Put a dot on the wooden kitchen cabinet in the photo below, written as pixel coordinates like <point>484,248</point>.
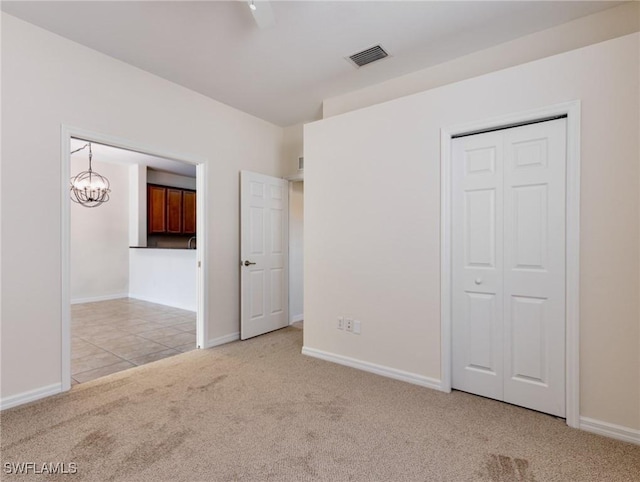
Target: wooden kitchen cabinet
<point>174,211</point>
<point>156,209</point>
<point>189,212</point>
<point>170,210</point>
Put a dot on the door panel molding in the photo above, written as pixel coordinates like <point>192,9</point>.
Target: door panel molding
<point>572,262</point>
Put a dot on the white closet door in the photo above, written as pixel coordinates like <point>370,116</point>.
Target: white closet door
<point>508,273</point>
<point>534,266</point>
<point>477,265</point>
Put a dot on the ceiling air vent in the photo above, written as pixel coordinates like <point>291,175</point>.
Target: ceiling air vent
<point>367,56</point>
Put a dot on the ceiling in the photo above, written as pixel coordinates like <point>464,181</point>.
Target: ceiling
<point>282,73</point>
<point>104,153</point>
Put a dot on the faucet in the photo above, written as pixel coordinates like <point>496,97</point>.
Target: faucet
<point>192,238</point>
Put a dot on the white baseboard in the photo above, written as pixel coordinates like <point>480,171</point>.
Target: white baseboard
<point>297,318</point>
<point>92,299</point>
<point>607,429</point>
<point>373,368</point>
<point>163,301</point>
<point>30,396</point>
<point>221,340</point>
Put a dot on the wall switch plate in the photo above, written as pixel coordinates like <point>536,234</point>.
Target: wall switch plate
<point>356,327</point>
<point>348,324</point>
<point>340,323</point>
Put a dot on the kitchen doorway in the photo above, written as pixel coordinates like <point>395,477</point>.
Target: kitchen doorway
<point>109,327</point>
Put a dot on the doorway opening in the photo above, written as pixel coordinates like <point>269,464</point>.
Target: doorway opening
<point>132,289</point>
<point>296,252</point>
<point>271,252</point>
<point>264,254</point>
<point>571,224</point>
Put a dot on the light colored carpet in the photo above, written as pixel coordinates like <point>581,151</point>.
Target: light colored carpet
<point>260,411</point>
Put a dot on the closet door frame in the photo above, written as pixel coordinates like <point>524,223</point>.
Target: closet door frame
<point>572,111</point>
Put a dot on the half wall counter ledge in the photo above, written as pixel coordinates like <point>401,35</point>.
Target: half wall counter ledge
<point>167,276</point>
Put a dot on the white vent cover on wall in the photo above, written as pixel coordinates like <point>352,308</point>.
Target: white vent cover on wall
<point>367,56</point>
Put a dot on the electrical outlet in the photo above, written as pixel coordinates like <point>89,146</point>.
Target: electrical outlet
<point>356,327</point>
<point>340,323</point>
<point>348,324</point>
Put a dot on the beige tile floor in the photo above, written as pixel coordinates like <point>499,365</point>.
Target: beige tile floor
<point>110,336</point>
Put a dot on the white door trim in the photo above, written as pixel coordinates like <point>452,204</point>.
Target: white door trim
<point>572,364</point>
<point>67,132</point>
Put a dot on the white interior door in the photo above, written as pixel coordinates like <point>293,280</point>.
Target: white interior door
<point>508,273</point>
<point>477,265</point>
<point>264,252</point>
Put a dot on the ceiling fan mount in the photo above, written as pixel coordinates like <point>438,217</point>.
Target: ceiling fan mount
<point>262,13</point>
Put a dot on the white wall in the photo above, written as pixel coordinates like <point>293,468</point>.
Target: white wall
<point>169,179</point>
<point>604,25</point>
<point>296,251</point>
<point>372,219</point>
<point>137,205</point>
<point>100,237</point>
<point>292,147</point>
<point>47,81</point>
<point>164,276</point>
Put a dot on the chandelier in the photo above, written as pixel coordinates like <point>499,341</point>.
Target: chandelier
<point>89,188</point>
